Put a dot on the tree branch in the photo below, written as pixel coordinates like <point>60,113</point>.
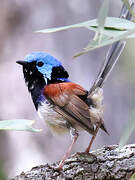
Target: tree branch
<point>109,163</point>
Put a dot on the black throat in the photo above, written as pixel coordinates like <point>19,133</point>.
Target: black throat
<point>35,82</point>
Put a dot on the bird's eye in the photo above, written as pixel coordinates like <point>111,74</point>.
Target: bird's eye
<point>40,64</point>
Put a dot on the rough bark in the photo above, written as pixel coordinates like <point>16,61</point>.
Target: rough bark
<point>108,163</point>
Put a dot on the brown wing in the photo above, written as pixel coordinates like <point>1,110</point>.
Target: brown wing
<point>67,103</point>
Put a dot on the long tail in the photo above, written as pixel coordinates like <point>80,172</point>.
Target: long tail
<point>113,54</point>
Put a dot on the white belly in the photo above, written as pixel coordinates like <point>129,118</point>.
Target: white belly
<point>55,121</point>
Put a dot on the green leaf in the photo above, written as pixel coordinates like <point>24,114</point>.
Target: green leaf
<point>105,41</point>
<point>18,125</point>
<point>102,15</point>
<point>107,29</point>
<point>112,24</point>
<point>113,32</point>
<point>101,21</point>
<point>132,177</point>
<point>115,29</point>
<point>128,130</point>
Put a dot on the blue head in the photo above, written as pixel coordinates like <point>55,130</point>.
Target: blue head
<point>40,69</point>
<point>44,65</point>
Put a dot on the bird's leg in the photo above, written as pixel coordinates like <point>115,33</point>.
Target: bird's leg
<point>92,139</point>
<point>75,135</point>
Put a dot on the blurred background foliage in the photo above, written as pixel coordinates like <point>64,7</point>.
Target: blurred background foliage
<point>19,151</point>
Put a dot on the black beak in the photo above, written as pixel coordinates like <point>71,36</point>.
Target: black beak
<point>23,63</point>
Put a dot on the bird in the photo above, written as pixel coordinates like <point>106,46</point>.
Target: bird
<point>64,105</point>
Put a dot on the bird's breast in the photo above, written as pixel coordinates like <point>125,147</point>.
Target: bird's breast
<point>56,122</point>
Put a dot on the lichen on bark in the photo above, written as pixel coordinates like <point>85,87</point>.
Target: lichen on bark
<point>109,163</point>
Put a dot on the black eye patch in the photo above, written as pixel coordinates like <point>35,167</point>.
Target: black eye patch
<point>59,72</point>
<point>40,64</point>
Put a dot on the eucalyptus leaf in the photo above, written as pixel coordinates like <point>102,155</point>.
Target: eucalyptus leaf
<point>18,125</point>
<point>112,32</point>
<point>101,21</point>
<point>102,14</point>
<point>105,41</point>
<point>56,29</point>
<point>115,28</point>
<point>112,24</point>
<point>107,29</point>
